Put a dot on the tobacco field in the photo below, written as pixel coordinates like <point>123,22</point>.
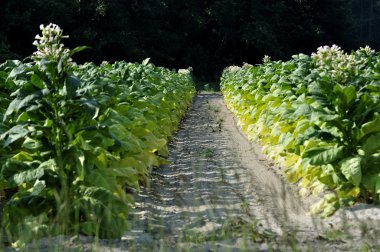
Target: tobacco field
<point>132,153</point>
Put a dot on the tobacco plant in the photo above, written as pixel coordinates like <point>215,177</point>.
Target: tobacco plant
<point>77,140</point>
<point>318,116</point>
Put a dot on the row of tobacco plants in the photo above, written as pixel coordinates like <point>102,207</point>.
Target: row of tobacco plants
<point>318,117</point>
<point>76,140</point>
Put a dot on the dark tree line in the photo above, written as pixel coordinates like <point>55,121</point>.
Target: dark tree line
<point>208,35</point>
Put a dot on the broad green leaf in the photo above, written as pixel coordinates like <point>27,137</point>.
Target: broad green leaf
<point>370,127</point>
<point>291,160</point>
<point>129,169</point>
<point>302,110</point>
<point>38,187</point>
<point>25,204</point>
<point>27,176</point>
<point>71,86</point>
<point>23,156</point>
<point>104,211</point>
<point>91,108</point>
<point>145,61</point>
<point>148,158</point>
<point>345,97</point>
<point>15,133</point>
<point>12,167</point>
<point>352,170</point>
<point>89,228</point>
<point>78,49</point>
<point>36,81</point>
<point>350,95</point>
<point>23,117</point>
<point>323,116</point>
<point>346,190</point>
<point>49,165</point>
<point>323,155</point>
<point>101,160</point>
<point>22,102</point>
<point>327,175</point>
<point>102,178</point>
<point>20,69</point>
<point>32,144</point>
<point>372,183</point>
<point>371,144</point>
<point>302,126</point>
<point>127,140</point>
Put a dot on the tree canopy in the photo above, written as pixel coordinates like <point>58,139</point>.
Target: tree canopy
<point>208,35</point>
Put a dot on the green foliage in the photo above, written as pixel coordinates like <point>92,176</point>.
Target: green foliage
<point>75,138</point>
<point>316,115</point>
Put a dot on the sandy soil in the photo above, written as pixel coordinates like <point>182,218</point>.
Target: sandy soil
<point>220,194</point>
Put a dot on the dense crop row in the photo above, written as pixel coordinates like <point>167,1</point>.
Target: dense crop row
<point>76,140</point>
<point>317,116</point>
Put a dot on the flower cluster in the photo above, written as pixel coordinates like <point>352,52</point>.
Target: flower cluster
<point>326,55</point>
<point>105,63</point>
<point>49,45</point>
<point>334,60</point>
<point>233,69</point>
<point>188,70</point>
<point>266,59</point>
<point>183,71</point>
<point>365,51</point>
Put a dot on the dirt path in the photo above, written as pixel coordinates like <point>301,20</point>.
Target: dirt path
<point>220,194</point>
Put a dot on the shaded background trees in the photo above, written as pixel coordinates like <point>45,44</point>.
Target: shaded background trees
<point>208,35</point>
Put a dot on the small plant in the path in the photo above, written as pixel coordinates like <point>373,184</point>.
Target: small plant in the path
<point>233,228</point>
<point>209,153</point>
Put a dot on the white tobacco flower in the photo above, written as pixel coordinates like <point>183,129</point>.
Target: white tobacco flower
<point>266,59</point>
<point>233,69</point>
<point>183,71</point>
<point>367,50</point>
<point>49,46</point>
